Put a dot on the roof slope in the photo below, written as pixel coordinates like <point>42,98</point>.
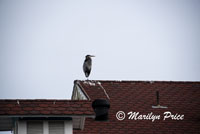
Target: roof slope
<point>45,107</point>
<point>139,96</point>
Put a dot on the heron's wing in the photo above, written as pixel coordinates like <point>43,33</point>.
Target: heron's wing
<point>87,67</point>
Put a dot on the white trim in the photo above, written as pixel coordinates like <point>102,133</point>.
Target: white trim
<point>82,123</point>
<point>79,93</point>
<point>45,127</point>
<point>68,125</point>
<point>22,127</point>
<point>23,119</point>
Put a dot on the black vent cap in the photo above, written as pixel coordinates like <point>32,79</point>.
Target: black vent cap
<point>100,103</point>
<point>101,107</point>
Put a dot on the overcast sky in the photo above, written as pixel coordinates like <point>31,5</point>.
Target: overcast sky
<point>43,43</point>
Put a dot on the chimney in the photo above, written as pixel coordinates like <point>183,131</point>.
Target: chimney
<point>101,107</point>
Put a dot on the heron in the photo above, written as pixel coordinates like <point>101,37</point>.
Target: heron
<point>87,65</point>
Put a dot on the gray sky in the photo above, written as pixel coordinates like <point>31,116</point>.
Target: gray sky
<point>43,43</point>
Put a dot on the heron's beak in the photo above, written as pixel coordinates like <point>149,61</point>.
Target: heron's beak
<point>92,56</point>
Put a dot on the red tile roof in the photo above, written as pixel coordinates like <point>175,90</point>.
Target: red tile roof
<point>139,96</point>
<point>45,107</point>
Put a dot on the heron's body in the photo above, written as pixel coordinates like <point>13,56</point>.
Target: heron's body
<point>87,65</point>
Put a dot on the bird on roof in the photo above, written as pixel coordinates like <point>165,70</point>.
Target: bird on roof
<point>87,65</point>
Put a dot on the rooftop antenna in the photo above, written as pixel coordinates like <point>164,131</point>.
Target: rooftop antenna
<point>157,96</point>
<point>158,101</point>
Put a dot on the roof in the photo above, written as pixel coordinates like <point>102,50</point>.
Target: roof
<point>45,107</point>
<point>139,96</point>
<point>44,110</point>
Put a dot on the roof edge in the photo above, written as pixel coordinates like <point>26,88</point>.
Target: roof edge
<point>45,100</point>
<point>47,116</point>
<point>145,81</point>
<point>77,83</point>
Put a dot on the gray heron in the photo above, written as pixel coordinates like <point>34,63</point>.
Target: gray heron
<point>87,65</point>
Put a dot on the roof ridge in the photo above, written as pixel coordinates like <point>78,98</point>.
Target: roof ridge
<point>43,100</point>
<point>142,81</point>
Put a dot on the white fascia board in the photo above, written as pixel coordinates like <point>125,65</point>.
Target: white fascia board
<point>81,118</point>
<point>79,93</point>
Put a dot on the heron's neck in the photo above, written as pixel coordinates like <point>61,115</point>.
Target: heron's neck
<point>88,59</point>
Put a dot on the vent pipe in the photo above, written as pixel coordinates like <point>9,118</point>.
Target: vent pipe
<point>158,101</point>
<point>157,96</point>
<point>101,107</point>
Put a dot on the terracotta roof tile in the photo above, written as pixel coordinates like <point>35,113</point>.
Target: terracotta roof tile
<point>140,96</point>
<point>45,107</point>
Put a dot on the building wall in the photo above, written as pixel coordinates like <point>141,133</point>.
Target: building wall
<point>22,127</point>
